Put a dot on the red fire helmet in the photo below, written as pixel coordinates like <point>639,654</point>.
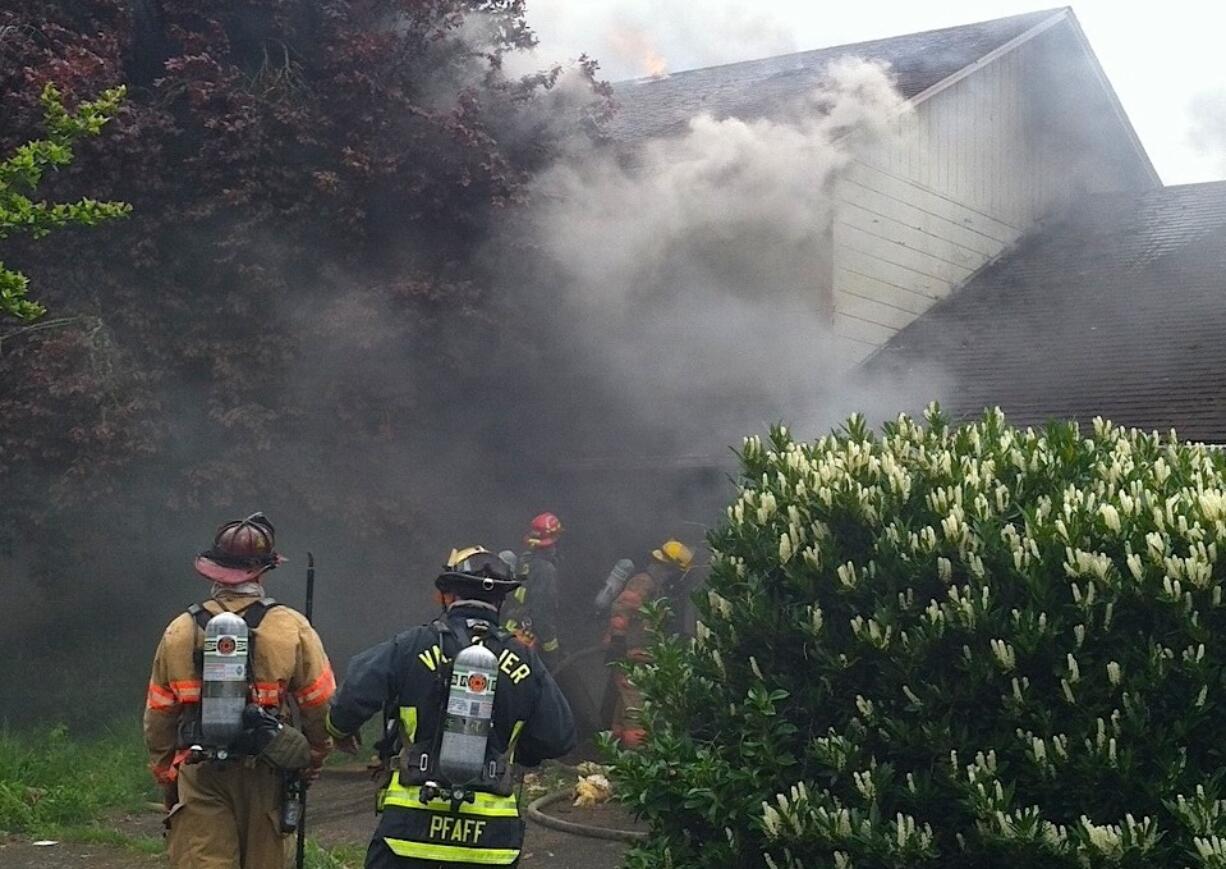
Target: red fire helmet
<point>543,531</point>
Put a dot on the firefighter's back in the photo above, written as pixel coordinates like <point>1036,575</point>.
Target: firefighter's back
<point>471,703</point>
<point>529,722</point>
<point>217,721</point>
<point>287,658</point>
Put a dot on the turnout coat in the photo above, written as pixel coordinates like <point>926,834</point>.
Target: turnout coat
<point>403,677</point>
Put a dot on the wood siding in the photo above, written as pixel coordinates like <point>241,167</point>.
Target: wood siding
<point>967,173</point>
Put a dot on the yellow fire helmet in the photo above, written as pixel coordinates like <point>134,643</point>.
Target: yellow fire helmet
<point>463,561</point>
<point>674,553</point>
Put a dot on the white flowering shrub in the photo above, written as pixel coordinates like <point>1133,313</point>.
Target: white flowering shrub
<point>959,647</point>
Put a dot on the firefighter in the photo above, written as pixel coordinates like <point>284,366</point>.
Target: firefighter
<point>448,715</point>
<point>626,638</point>
<point>224,798</point>
<point>532,609</point>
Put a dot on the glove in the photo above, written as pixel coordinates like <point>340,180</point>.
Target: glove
<point>264,735</point>
<point>260,726</point>
<point>311,774</point>
<point>551,659</point>
<point>289,749</point>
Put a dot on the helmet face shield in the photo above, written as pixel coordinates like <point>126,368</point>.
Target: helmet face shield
<point>262,521</point>
<point>477,572</point>
<point>481,563</point>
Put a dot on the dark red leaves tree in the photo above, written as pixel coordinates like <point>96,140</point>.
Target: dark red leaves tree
<point>297,314</point>
<point>286,160</point>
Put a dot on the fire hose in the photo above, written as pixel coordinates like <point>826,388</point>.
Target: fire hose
<point>574,657</point>
<point>536,808</point>
<point>592,832</point>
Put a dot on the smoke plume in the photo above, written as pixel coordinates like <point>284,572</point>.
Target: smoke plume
<point>1208,133</point>
<point>697,268</point>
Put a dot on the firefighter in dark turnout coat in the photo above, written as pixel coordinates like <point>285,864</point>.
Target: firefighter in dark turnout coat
<point>406,677</point>
<point>531,611</point>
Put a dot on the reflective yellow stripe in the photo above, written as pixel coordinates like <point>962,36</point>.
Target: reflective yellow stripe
<point>453,853</point>
<point>408,723</point>
<point>513,741</point>
<point>484,805</point>
<point>551,646</point>
<point>511,624</point>
<point>331,728</point>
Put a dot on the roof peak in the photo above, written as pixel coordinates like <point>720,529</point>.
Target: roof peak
<point>1091,200</point>
<point>1220,182</point>
<point>1039,16</point>
<point>920,63</point>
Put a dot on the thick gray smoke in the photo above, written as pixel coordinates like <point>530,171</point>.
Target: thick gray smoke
<point>1208,133</point>
<point>698,267</point>
<point>680,295</point>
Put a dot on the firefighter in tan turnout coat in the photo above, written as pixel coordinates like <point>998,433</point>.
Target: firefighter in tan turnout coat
<point>224,812</point>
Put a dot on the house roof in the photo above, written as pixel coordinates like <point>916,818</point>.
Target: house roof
<point>1117,309</point>
<point>662,106</point>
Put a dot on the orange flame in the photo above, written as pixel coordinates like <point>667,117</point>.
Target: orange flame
<point>634,43</point>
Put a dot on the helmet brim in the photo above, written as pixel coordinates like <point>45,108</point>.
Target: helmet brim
<point>211,570</point>
<point>475,586</point>
<point>662,558</point>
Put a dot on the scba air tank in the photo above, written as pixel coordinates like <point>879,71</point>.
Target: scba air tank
<point>470,711</point>
<point>224,692</point>
<point>618,577</point>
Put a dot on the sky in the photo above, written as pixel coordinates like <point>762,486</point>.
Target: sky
<point>1164,60</point>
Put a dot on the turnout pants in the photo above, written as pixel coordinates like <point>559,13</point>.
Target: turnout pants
<point>228,817</point>
<point>626,725</point>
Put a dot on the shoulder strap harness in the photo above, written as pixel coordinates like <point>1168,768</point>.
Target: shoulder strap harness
<point>189,724</point>
<point>417,760</point>
<point>252,615</point>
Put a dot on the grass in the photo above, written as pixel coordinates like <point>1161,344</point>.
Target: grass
<point>370,733</point>
<point>338,857</point>
<point>54,786</point>
<point>51,783</point>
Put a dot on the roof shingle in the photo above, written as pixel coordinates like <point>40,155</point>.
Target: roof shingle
<point>1117,309</point>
